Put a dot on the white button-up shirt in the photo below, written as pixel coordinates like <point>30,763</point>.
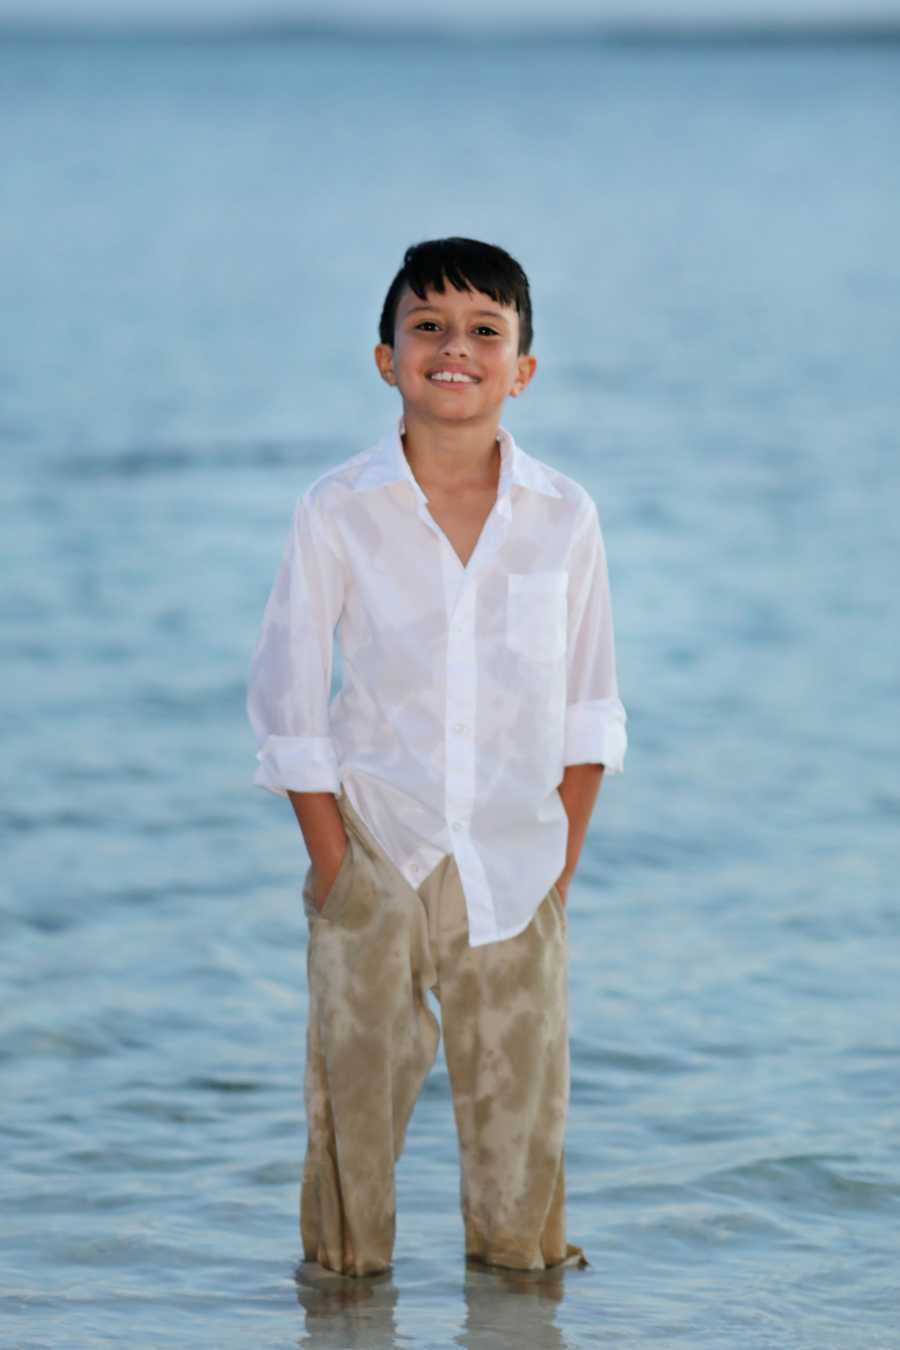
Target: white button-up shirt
<point>465,691</point>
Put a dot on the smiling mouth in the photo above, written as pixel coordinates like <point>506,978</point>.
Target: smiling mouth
<point>452,378</point>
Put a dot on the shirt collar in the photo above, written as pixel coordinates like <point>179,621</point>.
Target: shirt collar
<point>388,464</point>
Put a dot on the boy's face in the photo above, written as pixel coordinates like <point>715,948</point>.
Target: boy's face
<point>454,333</point>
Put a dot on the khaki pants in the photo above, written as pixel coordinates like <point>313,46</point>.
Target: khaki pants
<point>374,950</point>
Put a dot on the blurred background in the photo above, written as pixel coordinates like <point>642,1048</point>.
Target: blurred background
<point>204,204</point>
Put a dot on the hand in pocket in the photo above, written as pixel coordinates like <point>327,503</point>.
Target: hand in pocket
<point>325,880</point>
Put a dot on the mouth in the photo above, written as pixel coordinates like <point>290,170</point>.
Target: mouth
<point>452,379</point>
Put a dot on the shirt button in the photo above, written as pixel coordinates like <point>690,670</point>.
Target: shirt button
<point>457,824</point>
<point>459,726</point>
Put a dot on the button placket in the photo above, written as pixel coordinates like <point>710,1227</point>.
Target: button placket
<point>461,672</point>
<point>459,749</point>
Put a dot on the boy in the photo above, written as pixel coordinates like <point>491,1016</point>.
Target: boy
<point>444,793</point>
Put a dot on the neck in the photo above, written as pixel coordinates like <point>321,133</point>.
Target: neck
<point>452,457</point>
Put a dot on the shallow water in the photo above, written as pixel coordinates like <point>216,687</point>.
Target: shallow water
<point>196,249</point>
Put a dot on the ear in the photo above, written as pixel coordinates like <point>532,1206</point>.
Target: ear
<point>525,368</point>
<point>384,360</point>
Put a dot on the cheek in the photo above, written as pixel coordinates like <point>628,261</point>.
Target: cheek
<point>502,372</point>
<point>412,352</point>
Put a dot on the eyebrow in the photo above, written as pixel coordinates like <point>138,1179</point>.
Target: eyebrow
<point>494,313</point>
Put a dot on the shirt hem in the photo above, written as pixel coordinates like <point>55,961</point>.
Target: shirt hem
<point>511,933</point>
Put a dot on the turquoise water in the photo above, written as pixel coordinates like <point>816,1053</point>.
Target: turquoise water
<point>195,246</point>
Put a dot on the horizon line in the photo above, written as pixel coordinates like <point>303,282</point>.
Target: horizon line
<point>627,30</point>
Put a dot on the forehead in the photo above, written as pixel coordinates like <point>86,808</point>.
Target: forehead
<point>450,298</point>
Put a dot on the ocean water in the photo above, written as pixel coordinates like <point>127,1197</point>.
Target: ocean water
<point>195,243</point>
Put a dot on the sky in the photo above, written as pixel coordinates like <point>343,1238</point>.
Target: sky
<point>466,13</point>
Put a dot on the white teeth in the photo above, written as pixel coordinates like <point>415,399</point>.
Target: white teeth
<point>447,375</point>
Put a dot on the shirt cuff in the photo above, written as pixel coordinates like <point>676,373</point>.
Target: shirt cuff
<point>301,763</point>
<point>595,734</point>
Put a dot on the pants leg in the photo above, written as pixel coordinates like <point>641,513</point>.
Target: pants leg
<point>371,1041</point>
<point>504,1015</point>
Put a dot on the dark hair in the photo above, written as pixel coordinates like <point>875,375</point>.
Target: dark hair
<point>467,264</point>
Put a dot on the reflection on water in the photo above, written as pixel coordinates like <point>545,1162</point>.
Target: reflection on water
<point>502,1307</point>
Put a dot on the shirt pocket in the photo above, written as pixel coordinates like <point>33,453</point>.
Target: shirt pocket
<point>536,613</point>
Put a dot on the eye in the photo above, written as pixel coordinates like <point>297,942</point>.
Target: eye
<point>426,323</point>
<point>484,328</point>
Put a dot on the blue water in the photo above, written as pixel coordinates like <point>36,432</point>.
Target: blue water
<point>195,244</point>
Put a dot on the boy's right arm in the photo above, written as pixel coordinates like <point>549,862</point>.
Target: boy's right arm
<point>325,837</point>
<point>288,691</point>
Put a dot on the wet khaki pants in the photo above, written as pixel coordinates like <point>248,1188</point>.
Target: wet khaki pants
<point>375,948</point>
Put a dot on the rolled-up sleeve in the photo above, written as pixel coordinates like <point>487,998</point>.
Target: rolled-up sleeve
<point>289,684</point>
<point>595,717</point>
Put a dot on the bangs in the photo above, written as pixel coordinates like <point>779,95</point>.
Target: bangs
<point>436,274</point>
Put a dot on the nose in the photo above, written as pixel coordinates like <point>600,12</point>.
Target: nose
<point>455,341</point>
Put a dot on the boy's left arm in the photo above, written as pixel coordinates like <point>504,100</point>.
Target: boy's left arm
<point>596,740</point>
<point>578,789</point>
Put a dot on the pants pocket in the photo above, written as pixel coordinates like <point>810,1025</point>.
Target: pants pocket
<point>558,900</point>
<point>339,890</point>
